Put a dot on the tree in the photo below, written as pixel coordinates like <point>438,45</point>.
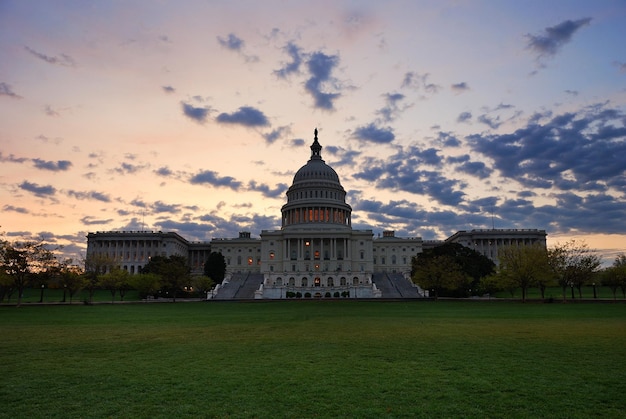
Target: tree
<point>574,264</point>
<point>115,280</point>
<point>525,266</point>
<point>472,264</point>
<point>173,272</point>
<point>70,278</point>
<point>95,266</point>
<point>439,273</point>
<point>20,260</point>
<point>215,267</point>
<point>202,284</point>
<point>614,276</point>
<point>146,284</point>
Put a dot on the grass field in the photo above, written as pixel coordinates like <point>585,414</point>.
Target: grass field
<point>314,359</point>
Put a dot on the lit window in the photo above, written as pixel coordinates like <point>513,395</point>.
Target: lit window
<point>249,261</point>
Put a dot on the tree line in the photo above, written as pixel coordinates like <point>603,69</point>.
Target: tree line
<point>454,270</point>
<point>34,264</point>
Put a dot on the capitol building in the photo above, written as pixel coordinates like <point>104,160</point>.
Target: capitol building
<point>316,253</point>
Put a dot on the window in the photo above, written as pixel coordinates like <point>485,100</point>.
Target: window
<point>271,254</point>
<point>305,282</point>
<point>250,260</point>
<point>330,282</point>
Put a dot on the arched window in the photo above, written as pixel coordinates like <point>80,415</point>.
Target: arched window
<point>355,281</point>
<point>279,281</point>
<point>292,282</point>
<point>304,282</point>
<point>342,281</point>
<point>330,282</point>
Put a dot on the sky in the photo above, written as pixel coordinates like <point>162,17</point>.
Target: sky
<point>193,116</point>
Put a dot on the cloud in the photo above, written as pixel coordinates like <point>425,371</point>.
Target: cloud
<point>374,134</point>
<point>293,66</point>
<point>6,90</point>
<point>320,67</point>
<point>198,114</point>
<point>128,168</point>
<point>168,89</point>
<point>405,171</point>
<point>447,139</point>
<point>548,43</point>
<point>266,190</point>
<point>91,195</point>
<point>573,151</point>
<point>464,117</point>
<point>460,87</point>
<point>64,59</point>
<point>20,210</point>
<point>89,220</point>
<point>416,81</point>
<point>40,191</point>
<point>164,171</point>
<point>392,108</point>
<point>491,122</point>
<point>276,134</point>
<point>346,157</point>
<point>210,177</point>
<point>161,207</point>
<point>58,166</point>
<point>12,159</point>
<point>233,43</point>
<point>246,116</point>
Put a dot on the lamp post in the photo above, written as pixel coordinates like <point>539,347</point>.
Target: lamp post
<point>594,290</point>
<point>41,296</point>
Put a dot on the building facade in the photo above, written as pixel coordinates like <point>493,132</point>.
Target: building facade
<point>314,251</point>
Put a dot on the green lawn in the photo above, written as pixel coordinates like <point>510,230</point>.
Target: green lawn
<point>314,359</point>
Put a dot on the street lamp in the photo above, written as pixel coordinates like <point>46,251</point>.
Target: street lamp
<point>594,291</point>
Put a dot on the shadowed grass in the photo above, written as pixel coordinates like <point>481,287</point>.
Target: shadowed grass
<point>314,358</point>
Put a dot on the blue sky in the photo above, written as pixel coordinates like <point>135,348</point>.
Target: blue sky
<point>194,116</point>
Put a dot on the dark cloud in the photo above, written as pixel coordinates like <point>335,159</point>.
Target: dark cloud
<point>246,116</point>
<point>168,89</point>
<point>289,68</point>
<point>320,67</point>
<point>298,142</point>
<point>392,108</point>
<point>212,178</point>
<point>89,220</point>
<point>58,166</point>
<point>6,90</point>
<point>19,210</point>
<point>548,43</point>
<point>266,190</point>
<point>374,134</point>
<point>164,171</point>
<point>405,171</point>
<point>464,117</point>
<point>234,43</point>
<point>460,87</point>
<point>231,42</point>
<point>63,60</point>
<point>491,122</point>
<point>276,134</point>
<point>128,168</point>
<point>160,207</point>
<point>12,159</point>
<point>416,81</point>
<point>573,151</point>
<point>447,139</point>
<point>346,157</point>
<point>40,191</point>
<point>91,195</point>
<point>620,65</point>
<point>198,114</point>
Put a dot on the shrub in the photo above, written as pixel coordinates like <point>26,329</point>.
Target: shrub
<point>307,295</point>
<point>336,294</point>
